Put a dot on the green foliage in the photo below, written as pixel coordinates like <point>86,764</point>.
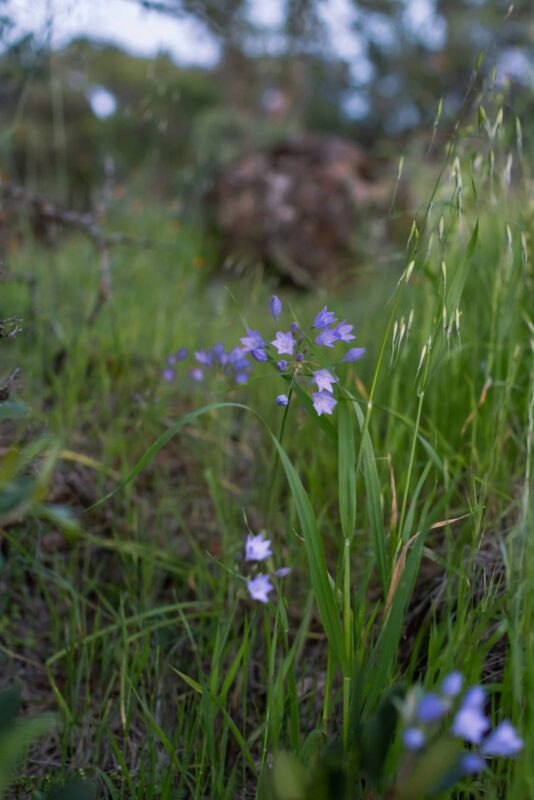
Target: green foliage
<point>16,736</point>
<point>23,491</point>
<point>340,776</point>
<point>405,517</point>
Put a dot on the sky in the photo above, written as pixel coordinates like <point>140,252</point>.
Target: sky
<point>143,32</point>
<point>122,22</point>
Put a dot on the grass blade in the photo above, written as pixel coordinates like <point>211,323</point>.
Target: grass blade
<point>346,470</point>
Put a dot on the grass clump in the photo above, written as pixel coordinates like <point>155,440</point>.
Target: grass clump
<point>403,515</point>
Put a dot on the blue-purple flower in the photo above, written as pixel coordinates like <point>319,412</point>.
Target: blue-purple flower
<point>354,354</point>
<point>326,338</point>
<point>276,306</point>
<point>475,697</point>
<point>257,548</point>
<point>182,353</point>
<point>343,332</point>
<point>259,355</point>
<point>431,708</point>
<point>324,380</point>
<point>168,374</point>
<point>179,355</point>
<point>470,724</point>
<point>323,402</point>
<point>236,358</point>
<point>284,343</point>
<point>324,318</point>
<point>282,572</point>
<point>503,741</point>
<point>204,357</point>
<point>451,685</point>
<point>259,588</point>
<point>471,763</point>
<point>235,363</point>
<point>218,352</point>
<point>291,349</point>
<point>413,739</point>
<point>252,341</point>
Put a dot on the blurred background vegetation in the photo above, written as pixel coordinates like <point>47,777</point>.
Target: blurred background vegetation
<point>372,71</point>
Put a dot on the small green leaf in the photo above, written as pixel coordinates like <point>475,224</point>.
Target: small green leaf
<point>16,493</point>
<point>9,708</point>
<point>12,409</point>
<point>62,516</point>
<point>76,789</point>
<point>378,736</point>
<point>329,779</point>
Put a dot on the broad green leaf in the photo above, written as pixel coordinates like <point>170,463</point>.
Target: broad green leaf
<point>377,736</point>
<point>329,778</point>
<point>324,595</point>
<point>429,770</point>
<point>289,777</point>
<point>9,708</point>
<point>346,469</point>
<point>76,789</point>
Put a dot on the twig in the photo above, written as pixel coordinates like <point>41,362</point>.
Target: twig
<point>84,222</point>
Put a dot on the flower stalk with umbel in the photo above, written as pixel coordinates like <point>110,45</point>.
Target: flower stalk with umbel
<point>257,550</point>
<point>301,355</point>
<point>296,354</point>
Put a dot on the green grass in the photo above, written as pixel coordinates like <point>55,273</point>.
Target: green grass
<point>138,630</point>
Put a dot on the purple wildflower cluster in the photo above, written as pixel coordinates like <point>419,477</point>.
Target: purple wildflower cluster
<point>466,720</point>
<point>257,549</point>
<point>294,345</point>
<point>234,364</point>
<point>293,352</point>
<point>169,373</point>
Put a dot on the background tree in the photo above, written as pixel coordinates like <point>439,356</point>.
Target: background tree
<point>407,54</point>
